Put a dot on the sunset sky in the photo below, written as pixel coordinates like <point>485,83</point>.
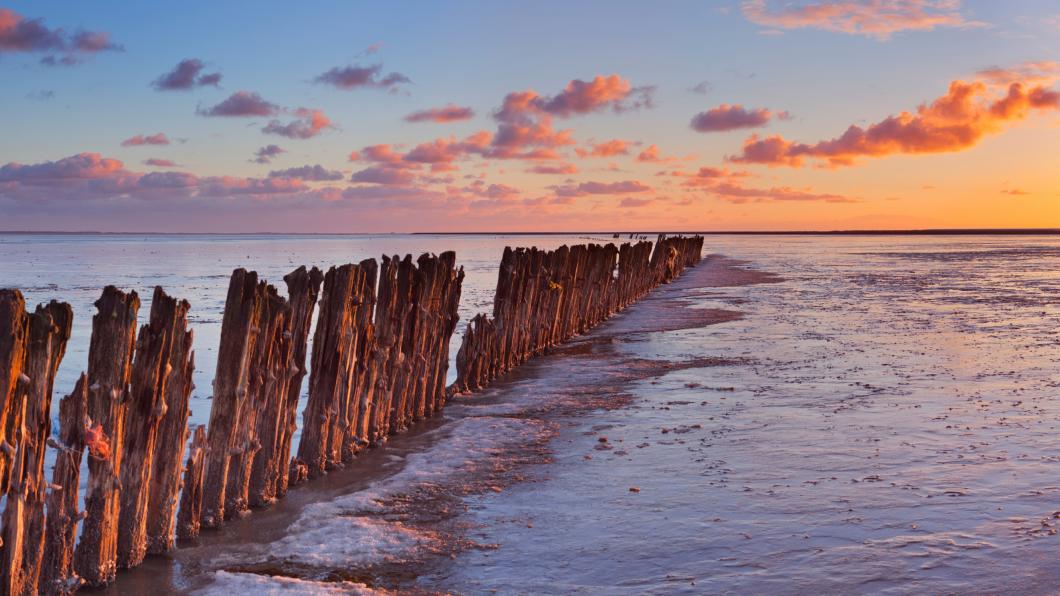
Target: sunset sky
<point>536,116</point>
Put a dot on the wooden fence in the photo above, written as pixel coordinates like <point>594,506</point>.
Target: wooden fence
<point>379,364</point>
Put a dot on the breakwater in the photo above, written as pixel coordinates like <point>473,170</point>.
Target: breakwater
<point>378,364</point>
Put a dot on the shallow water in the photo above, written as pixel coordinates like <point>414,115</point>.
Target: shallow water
<point>882,420</point>
<point>74,268</point>
<point>893,429</point>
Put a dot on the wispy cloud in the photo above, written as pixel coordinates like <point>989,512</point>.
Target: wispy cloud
<point>449,113</point>
<point>879,19</point>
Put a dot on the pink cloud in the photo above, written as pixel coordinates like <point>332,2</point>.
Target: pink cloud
<point>383,176</point>
<point>635,202</point>
<point>563,168</point>
<point>606,149</point>
<point>953,122</point>
<point>89,176</point>
<point>309,124</point>
<point>138,140</point>
<point>601,188</point>
<point>732,117</point>
<point>242,104</point>
<point>449,113</point>
<point>739,194</point>
<point>492,191</point>
<point>652,154</point>
<point>187,74</point>
<point>872,18</point>
<point>583,97</point>
<point>160,163</point>
<point>354,77</point>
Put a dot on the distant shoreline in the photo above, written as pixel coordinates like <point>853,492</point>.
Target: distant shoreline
<point>622,235</point>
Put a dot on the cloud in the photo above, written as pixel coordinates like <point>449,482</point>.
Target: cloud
<point>736,193</point>
<point>19,34</point>
<point>492,191</point>
<point>187,74</point>
<point>1016,192</point>
<point>878,19</point>
<point>439,153</point>
<point>160,163</point>
<point>708,176</point>
<point>954,122</point>
<point>635,202</point>
<point>138,140</point>
<point>563,168</point>
<point>701,88</point>
<point>525,119</point>
<point>315,173</point>
<point>355,77</point>
<point>41,95</point>
<point>601,188</point>
<point>1042,72</point>
<point>449,113</point>
<point>310,123</point>
<point>383,176</point>
<point>584,97</point>
<point>606,149</point>
<point>242,104</point>
<point>89,177</point>
<point>652,154</point>
<point>733,117</point>
<point>266,153</point>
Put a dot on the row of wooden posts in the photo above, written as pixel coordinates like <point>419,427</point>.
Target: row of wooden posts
<point>379,362</point>
<point>546,297</point>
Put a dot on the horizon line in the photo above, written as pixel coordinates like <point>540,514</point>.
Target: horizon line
<point>627,233</point>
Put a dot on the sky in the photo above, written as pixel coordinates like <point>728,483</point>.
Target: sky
<point>348,117</point>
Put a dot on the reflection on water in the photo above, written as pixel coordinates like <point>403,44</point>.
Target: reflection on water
<point>893,428</point>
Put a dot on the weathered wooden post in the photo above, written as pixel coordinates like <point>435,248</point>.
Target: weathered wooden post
<point>268,372</point>
<point>169,449</point>
<point>23,517</point>
<point>189,517</point>
<point>153,365</point>
<point>58,577</point>
<point>14,330</point>
<point>110,356</point>
<point>303,288</point>
<point>239,332</point>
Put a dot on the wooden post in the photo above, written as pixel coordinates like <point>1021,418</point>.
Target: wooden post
<point>303,290</point>
<point>58,577</point>
<point>14,330</point>
<point>109,363</point>
<point>270,477</point>
<point>153,365</point>
<point>169,449</point>
<point>239,331</point>
<point>23,517</point>
<point>189,518</point>
<point>268,371</point>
